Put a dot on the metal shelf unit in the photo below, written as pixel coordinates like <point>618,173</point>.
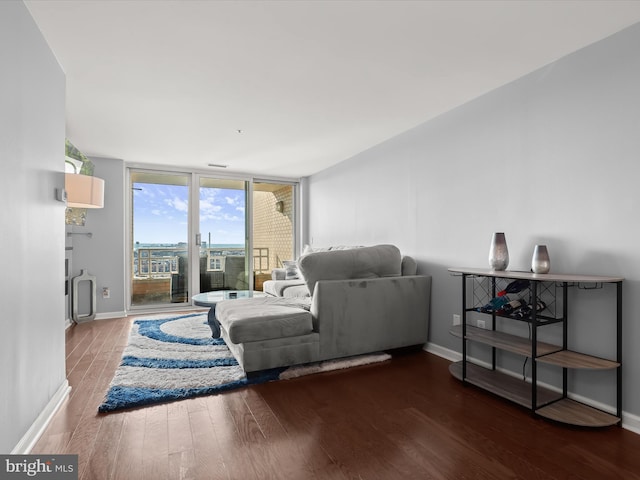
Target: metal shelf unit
<point>552,288</point>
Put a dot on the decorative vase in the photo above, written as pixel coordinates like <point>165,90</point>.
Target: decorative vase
<point>540,262</point>
<point>498,253</point>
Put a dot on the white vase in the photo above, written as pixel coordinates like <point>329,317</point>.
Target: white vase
<point>540,262</point>
<point>498,253</point>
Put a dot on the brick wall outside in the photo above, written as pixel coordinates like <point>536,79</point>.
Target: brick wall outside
<point>273,229</point>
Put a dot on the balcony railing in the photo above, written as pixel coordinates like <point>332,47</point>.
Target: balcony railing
<point>161,262</point>
<point>156,262</point>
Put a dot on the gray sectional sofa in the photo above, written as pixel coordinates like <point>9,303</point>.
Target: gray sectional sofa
<point>358,301</point>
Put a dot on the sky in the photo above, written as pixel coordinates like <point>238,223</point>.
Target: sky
<point>161,212</point>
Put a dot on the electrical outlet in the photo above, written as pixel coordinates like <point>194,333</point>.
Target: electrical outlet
<point>481,324</point>
<point>456,319</point>
<point>106,293</point>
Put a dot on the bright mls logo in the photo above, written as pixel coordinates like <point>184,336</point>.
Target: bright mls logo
<point>58,467</point>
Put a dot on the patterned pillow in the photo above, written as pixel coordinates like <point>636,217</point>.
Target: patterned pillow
<point>291,270</point>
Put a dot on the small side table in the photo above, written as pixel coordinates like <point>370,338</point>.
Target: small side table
<point>210,299</point>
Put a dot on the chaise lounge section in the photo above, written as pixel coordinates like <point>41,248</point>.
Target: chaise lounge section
<point>361,301</point>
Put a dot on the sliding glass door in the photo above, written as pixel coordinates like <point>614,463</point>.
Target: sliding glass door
<point>273,228</point>
<point>223,263</point>
<point>159,232</point>
<point>193,233</point>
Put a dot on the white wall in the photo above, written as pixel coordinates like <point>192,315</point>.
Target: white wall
<point>103,255</point>
<point>32,130</point>
<point>551,158</point>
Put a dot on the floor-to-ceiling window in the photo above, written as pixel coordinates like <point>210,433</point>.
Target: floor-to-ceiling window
<point>224,234</point>
<point>273,228</point>
<point>159,232</point>
<point>223,263</point>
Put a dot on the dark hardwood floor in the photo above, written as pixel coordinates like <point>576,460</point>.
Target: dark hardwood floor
<point>403,419</point>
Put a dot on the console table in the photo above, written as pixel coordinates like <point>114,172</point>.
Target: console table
<point>479,287</point>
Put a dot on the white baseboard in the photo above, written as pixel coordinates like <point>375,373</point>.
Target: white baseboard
<point>160,311</point>
<point>108,315</point>
<point>30,438</point>
<point>147,311</point>
<point>100,316</point>
<point>443,352</point>
<point>143,311</point>
<point>630,421</point>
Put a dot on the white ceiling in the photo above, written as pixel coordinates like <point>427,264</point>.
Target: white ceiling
<point>308,83</point>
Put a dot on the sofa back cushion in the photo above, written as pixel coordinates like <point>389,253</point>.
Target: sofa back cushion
<point>309,249</point>
<point>409,266</point>
<point>365,262</point>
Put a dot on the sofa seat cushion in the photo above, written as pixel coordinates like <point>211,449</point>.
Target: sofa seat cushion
<point>256,319</point>
<point>286,288</point>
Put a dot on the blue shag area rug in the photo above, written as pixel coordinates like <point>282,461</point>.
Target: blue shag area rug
<point>174,357</point>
